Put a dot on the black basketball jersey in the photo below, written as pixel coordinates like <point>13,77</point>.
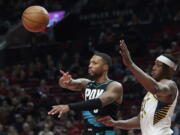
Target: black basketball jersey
<point>92,91</point>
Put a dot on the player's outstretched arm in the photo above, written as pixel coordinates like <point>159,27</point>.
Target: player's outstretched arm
<point>113,94</point>
<point>162,88</point>
<point>66,81</point>
<point>133,123</point>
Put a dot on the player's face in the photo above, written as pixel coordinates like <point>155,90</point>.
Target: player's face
<point>96,66</point>
<point>157,70</point>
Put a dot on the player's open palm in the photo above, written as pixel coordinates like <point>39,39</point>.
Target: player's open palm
<point>125,54</point>
<point>59,109</point>
<point>107,120</point>
<point>66,77</point>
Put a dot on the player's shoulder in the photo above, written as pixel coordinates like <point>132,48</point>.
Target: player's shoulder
<point>115,84</point>
<point>168,82</point>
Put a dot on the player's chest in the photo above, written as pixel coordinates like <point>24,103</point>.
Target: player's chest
<point>92,93</point>
<point>149,103</point>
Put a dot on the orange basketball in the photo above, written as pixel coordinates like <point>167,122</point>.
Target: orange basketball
<point>35,18</point>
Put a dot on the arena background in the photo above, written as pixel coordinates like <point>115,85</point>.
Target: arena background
<point>30,62</point>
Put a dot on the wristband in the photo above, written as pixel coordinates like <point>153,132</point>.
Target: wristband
<point>86,105</point>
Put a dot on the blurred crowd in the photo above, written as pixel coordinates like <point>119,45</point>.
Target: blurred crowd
<point>29,76</point>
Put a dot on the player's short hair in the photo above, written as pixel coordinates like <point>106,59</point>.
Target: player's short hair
<point>105,57</point>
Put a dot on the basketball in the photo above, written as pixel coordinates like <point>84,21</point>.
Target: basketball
<point>35,18</point>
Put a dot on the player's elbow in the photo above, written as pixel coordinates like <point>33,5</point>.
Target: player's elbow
<point>154,88</point>
<point>161,90</point>
<point>108,100</point>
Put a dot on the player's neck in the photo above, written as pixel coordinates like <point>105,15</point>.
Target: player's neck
<point>101,79</point>
<point>168,77</point>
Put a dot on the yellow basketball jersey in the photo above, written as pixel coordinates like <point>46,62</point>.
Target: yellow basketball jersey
<point>155,116</point>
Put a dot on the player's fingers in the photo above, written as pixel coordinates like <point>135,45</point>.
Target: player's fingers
<point>60,113</point>
<point>124,50</point>
<point>119,42</point>
<point>101,119</point>
<point>121,46</point>
<point>69,76</point>
<point>55,106</point>
<point>55,110</point>
<point>62,72</point>
<point>125,46</point>
<point>66,75</point>
<point>107,118</point>
<point>51,112</point>
<point>67,79</point>
<point>98,119</point>
<point>120,52</point>
<point>123,42</point>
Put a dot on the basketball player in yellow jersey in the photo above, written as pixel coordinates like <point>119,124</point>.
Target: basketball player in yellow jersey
<point>158,104</point>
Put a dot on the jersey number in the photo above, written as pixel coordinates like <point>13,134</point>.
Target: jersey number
<point>143,112</point>
<point>95,110</point>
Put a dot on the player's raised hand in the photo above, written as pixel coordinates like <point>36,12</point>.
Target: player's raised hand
<point>125,54</point>
<point>107,120</point>
<point>66,77</point>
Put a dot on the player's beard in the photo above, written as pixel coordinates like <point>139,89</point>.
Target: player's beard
<point>94,76</point>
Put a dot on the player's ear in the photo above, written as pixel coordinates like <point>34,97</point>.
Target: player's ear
<point>106,67</point>
<point>172,72</point>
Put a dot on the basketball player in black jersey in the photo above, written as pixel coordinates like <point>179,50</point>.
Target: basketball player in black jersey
<point>102,95</point>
